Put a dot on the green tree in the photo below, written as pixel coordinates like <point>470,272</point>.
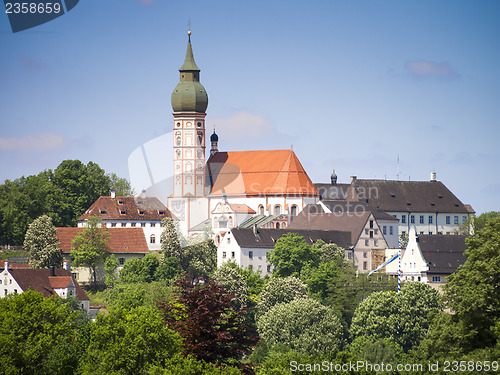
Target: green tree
<point>110,266</point>
<point>42,243</point>
<point>476,223</point>
<point>169,269</point>
<point>402,317</point>
<point>200,259</point>
<point>129,341</point>
<point>473,292</point>
<point>140,270</point>
<point>234,283</point>
<point>121,186</point>
<point>170,243</point>
<point>31,327</point>
<point>280,290</point>
<point>304,325</point>
<point>90,247</point>
<point>290,254</point>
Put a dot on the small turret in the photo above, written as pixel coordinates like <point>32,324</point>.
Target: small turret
<point>214,141</point>
<point>333,178</point>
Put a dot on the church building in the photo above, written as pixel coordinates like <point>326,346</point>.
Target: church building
<point>231,187</point>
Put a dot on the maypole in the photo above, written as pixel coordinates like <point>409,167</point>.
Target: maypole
<point>399,267</point>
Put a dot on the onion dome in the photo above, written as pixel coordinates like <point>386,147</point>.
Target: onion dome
<point>189,95</point>
<point>214,137</point>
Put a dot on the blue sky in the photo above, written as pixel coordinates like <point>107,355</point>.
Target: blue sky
<point>350,84</point>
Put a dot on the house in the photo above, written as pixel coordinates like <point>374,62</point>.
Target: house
<point>130,212</point>
<point>249,247</point>
<point>367,238</point>
<point>429,206</point>
<point>430,258</point>
<point>124,243</point>
<point>50,282</point>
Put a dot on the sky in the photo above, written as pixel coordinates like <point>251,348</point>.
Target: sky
<point>379,89</point>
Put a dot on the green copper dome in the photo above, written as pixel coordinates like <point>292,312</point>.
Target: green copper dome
<point>189,95</point>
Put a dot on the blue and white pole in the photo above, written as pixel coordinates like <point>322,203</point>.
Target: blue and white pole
<point>399,266</point>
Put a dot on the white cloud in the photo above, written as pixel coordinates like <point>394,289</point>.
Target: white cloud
<point>40,142</point>
<point>427,69</point>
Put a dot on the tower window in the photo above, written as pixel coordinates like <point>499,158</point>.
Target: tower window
<point>293,211</point>
<point>199,124</point>
<point>261,210</point>
<point>178,141</point>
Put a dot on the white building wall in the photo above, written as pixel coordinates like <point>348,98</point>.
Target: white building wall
<point>8,284</point>
<point>413,264</point>
<point>440,223</point>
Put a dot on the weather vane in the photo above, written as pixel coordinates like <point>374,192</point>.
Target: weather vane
<point>189,29</point>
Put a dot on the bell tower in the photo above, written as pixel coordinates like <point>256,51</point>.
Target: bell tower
<point>189,103</point>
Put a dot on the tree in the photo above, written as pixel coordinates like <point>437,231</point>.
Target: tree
<point>304,325</point>
<point>110,266</point>
<point>402,317</point>
<point>476,223</point>
<point>31,328</point>
<point>290,254</point>
<point>140,270</point>
<point>200,259</point>
<point>204,315</point>
<point>170,243</point>
<point>90,247</point>
<point>280,290</point>
<point>234,283</point>
<point>129,341</point>
<point>473,292</point>
<point>169,269</point>
<point>42,243</point>
<point>120,185</point>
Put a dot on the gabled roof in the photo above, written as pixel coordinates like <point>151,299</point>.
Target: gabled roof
<point>408,196</point>
<point>347,206</point>
<point>121,240</point>
<point>13,264</point>
<point>443,253</point>
<point>41,281</point>
<point>258,173</point>
<point>332,192</point>
<point>127,208</point>
<point>242,209</point>
<point>266,238</point>
<point>351,222</point>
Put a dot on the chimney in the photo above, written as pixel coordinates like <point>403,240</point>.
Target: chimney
<point>255,231</point>
<point>113,194</point>
<point>6,265</point>
<point>143,194</point>
<point>433,176</point>
<point>353,178</point>
<point>52,271</point>
<point>66,265</point>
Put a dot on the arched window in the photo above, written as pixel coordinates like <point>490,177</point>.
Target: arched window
<point>216,223</point>
<point>277,209</point>
<point>277,225</point>
<point>230,221</point>
<point>178,140</point>
<point>261,210</point>
<point>293,211</point>
<point>152,239</point>
<point>178,153</point>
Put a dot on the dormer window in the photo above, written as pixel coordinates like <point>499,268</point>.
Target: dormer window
<point>120,202</point>
<point>123,212</point>
<point>161,212</point>
<point>141,212</point>
<point>103,212</point>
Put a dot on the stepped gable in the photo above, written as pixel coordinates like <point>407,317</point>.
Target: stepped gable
<point>443,253</point>
<point>127,208</point>
<point>121,240</point>
<point>258,173</point>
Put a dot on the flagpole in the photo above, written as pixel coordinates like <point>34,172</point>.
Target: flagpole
<point>399,267</point>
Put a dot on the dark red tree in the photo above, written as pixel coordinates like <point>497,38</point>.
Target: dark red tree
<point>204,315</point>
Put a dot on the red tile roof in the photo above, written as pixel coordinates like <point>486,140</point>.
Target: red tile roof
<point>121,240</point>
<point>242,208</point>
<point>127,208</point>
<point>257,173</point>
<point>41,281</point>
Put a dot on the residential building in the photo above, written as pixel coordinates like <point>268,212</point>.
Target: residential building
<point>429,258</point>
<point>130,212</point>
<point>250,246</point>
<point>124,244</point>
<point>48,281</point>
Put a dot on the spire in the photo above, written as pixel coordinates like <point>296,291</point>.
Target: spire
<point>189,64</point>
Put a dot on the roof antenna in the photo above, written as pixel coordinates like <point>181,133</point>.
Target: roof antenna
<point>291,147</point>
<point>399,171</point>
